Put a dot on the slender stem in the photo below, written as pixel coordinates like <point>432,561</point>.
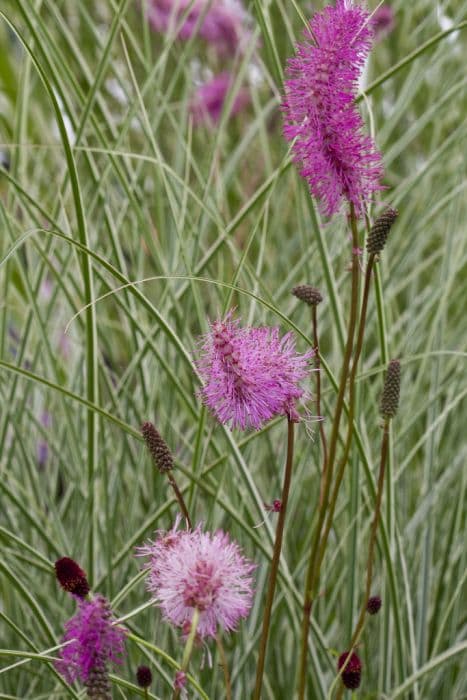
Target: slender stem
<point>180,499</point>
<point>146,694</point>
<point>275,561</point>
<point>225,668</point>
<point>374,532</point>
<point>312,576</point>
<point>322,432</point>
<point>371,548</point>
<point>188,648</point>
<point>351,403</point>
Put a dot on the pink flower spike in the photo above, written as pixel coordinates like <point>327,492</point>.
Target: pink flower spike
<point>204,571</point>
<point>321,119</point>
<point>208,101</point>
<point>250,374</point>
<point>94,644</point>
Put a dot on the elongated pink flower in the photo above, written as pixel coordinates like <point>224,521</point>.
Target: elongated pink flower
<point>208,101</point>
<point>250,374</point>
<point>94,644</point>
<point>195,569</point>
<point>219,22</point>
<point>321,119</point>
<point>383,21</point>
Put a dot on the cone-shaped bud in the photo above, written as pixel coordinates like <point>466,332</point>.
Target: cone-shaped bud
<point>310,295</point>
<point>98,684</point>
<point>143,676</point>
<point>374,605</point>
<point>71,577</point>
<point>157,447</point>
<point>352,674</point>
<point>391,391</point>
<point>379,232</point>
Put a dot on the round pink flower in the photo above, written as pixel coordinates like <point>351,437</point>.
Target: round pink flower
<point>207,571</point>
<point>321,119</point>
<point>250,374</point>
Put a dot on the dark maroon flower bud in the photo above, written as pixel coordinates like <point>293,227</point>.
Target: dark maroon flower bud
<point>374,605</point>
<point>143,676</point>
<point>158,448</point>
<point>71,577</point>
<point>310,295</point>
<point>352,674</point>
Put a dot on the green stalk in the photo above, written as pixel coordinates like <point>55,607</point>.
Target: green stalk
<point>275,561</point>
<point>188,648</point>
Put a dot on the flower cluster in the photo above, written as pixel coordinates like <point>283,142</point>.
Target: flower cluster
<point>202,570</point>
<point>93,642</point>
<point>250,374</point>
<point>321,120</point>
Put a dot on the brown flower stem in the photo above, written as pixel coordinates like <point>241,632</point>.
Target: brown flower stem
<point>312,576</point>
<point>371,548</point>
<point>179,497</point>
<point>351,403</point>
<point>322,432</point>
<point>374,531</point>
<point>188,648</point>
<point>225,668</point>
<point>275,561</point>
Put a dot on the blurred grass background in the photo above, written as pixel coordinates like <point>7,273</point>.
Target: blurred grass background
<point>105,180</point>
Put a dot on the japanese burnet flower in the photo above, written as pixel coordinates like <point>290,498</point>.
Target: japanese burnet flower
<point>208,102</point>
<point>206,571</point>
<point>322,122</point>
<point>222,23</point>
<point>250,374</point>
<point>94,643</point>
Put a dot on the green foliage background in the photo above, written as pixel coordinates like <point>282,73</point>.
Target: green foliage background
<point>109,183</point>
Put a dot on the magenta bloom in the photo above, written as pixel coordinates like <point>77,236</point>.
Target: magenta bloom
<point>219,22</point>
<point>335,156</point>
<point>208,102</point>
<point>94,644</point>
<point>250,374</point>
<point>195,569</point>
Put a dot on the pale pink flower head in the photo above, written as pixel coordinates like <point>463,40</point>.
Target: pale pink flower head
<point>250,374</point>
<point>94,644</point>
<point>208,101</point>
<point>200,570</point>
<point>321,119</point>
<point>222,23</point>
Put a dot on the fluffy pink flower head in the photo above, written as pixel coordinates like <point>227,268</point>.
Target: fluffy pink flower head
<point>207,571</point>
<point>321,119</point>
<point>94,643</point>
<point>219,22</point>
<point>250,374</point>
<point>208,102</point>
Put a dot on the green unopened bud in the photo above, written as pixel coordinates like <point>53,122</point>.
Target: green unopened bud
<point>158,448</point>
<point>391,391</point>
<point>379,232</point>
<point>310,295</point>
